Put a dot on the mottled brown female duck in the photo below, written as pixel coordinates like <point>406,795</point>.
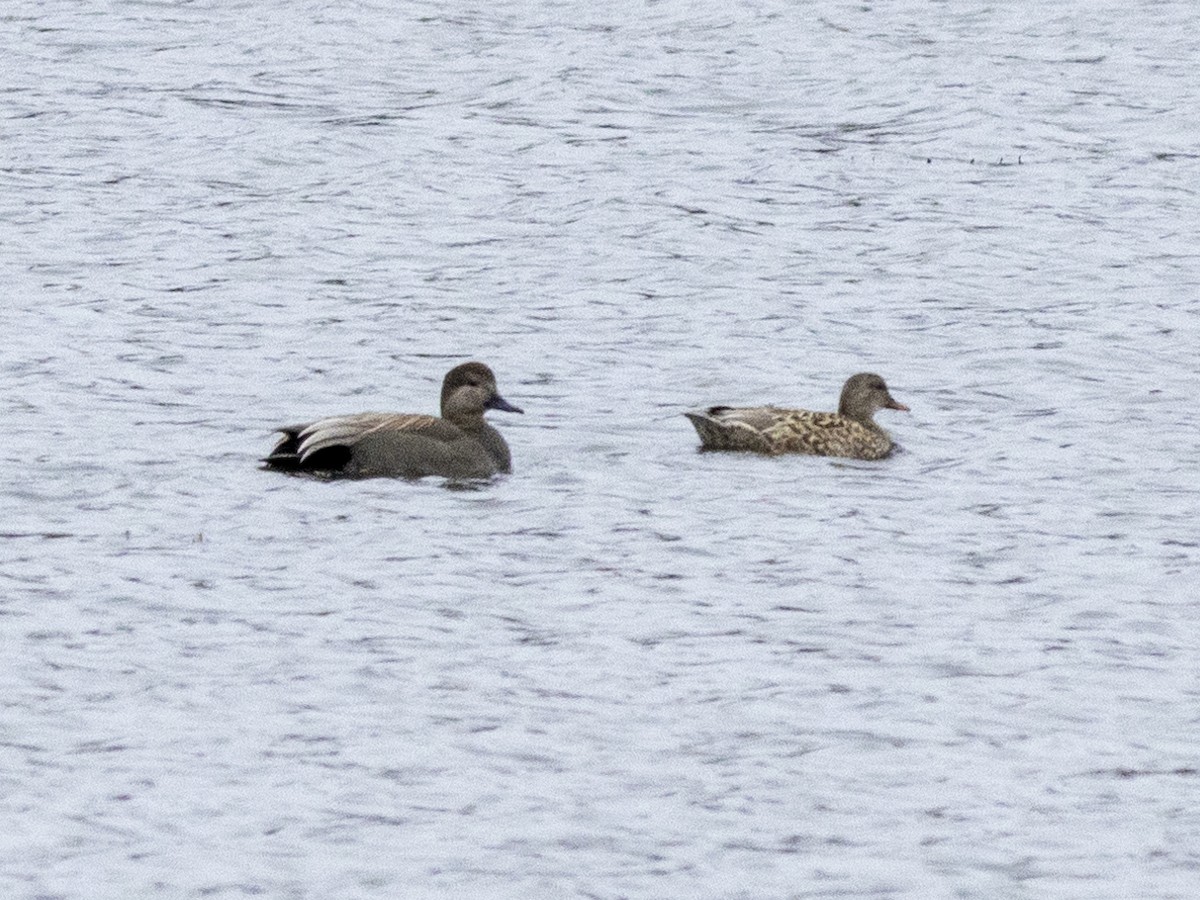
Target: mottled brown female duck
<point>406,445</point>
<point>850,432</point>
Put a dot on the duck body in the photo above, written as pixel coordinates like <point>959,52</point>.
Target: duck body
<point>850,433</point>
<point>460,444</point>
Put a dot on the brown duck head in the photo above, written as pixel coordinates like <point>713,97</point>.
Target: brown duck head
<point>469,390</point>
<point>863,395</point>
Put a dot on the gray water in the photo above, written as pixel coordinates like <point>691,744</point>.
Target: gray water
<point>628,669</point>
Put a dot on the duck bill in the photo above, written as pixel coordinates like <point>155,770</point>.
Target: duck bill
<point>498,402</point>
<point>892,404</point>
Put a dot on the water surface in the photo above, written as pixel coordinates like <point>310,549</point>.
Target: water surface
<point>629,669</point>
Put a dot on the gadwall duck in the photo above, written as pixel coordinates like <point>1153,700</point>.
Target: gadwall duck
<point>850,432</point>
<point>406,445</point>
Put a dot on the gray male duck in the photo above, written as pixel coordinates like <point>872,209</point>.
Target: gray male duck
<point>851,432</point>
<point>460,444</point>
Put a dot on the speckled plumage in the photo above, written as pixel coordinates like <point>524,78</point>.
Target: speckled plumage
<point>851,432</point>
<point>460,444</point>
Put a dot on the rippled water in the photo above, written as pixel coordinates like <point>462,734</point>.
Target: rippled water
<point>629,669</point>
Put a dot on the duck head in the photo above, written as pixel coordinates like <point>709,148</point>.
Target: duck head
<point>864,394</point>
<point>471,389</point>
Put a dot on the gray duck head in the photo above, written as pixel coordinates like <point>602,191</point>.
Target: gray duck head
<point>864,394</point>
<point>469,390</point>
